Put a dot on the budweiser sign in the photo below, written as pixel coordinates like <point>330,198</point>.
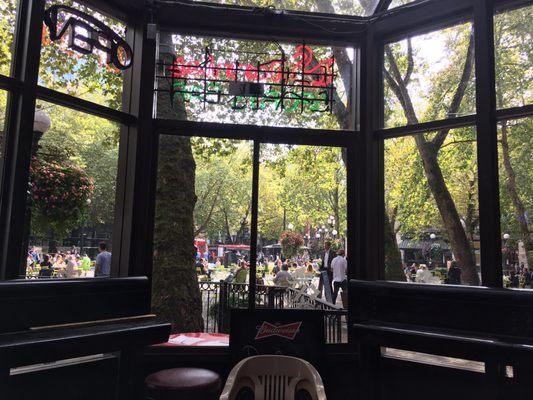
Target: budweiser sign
<point>287,331</point>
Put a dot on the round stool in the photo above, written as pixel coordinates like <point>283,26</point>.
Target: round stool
<point>183,384</point>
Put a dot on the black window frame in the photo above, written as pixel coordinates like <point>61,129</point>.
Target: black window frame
<point>136,181</point>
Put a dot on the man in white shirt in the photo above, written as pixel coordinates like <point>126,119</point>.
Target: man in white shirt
<point>339,265</point>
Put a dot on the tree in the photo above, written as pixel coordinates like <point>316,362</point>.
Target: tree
<point>513,44</point>
<point>429,148</point>
<point>175,293</point>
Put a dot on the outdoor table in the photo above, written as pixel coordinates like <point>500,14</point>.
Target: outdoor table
<point>196,339</point>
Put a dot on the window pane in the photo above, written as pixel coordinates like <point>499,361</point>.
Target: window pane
<point>349,7</point>
<point>259,83</point>
<point>202,231</point>
<point>514,65</point>
<point>302,211</point>
<point>515,147</point>
<point>3,116</point>
<point>8,22</point>
<point>397,3</point>
<point>430,77</point>
<point>432,218</point>
<point>72,188</point>
<point>87,76</point>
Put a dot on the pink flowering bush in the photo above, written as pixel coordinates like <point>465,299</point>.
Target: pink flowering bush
<point>290,243</point>
<point>59,196</point>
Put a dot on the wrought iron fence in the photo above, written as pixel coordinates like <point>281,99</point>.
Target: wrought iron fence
<point>218,298</point>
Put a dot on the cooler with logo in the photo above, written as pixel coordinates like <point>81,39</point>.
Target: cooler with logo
<point>297,333</point>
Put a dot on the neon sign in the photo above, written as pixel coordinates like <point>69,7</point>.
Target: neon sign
<point>300,81</point>
<point>86,33</point>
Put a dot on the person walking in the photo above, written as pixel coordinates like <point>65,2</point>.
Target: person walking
<point>327,257</point>
<point>103,262</point>
<point>339,265</point>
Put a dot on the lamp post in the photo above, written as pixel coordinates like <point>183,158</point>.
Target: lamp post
<point>505,261</point>
<point>290,226</point>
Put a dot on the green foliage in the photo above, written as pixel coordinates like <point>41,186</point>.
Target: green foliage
<point>520,142</point>
<point>89,143</point>
<point>68,71</point>
<point>431,75</point>
<point>408,198</point>
<point>8,19</point>
<point>59,195</point>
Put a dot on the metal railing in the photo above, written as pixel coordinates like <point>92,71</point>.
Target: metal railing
<point>218,298</point>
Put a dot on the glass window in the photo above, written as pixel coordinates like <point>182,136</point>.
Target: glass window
<point>431,208</point>
<point>258,83</point>
<point>397,3</point>
<point>302,229</point>
<point>347,7</point>
<point>79,71</point>
<point>8,22</point>
<point>515,148</point>
<point>72,185</point>
<point>429,77</point>
<point>202,231</point>
<point>514,65</point>
<point>3,116</point>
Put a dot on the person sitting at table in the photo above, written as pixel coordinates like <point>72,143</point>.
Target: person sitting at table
<point>46,267</point>
<point>72,268</point>
<point>242,273</point>
<point>283,277</point>
<point>309,270</point>
<point>277,267</point>
<point>205,267</point>
<point>59,263</point>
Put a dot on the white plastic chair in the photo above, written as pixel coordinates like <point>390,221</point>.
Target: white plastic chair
<point>274,377</point>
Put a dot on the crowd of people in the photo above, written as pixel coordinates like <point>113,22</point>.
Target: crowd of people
<point>421,274</point>
<point>289,272</point>
<point>519,276</point>
<point>68,264</point>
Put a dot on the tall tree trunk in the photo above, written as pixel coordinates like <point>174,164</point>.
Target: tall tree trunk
<point>510,185</point>
<point>449,215</point>
<point>429,151</point>
<point>175,294</point>
<point>393,260</point>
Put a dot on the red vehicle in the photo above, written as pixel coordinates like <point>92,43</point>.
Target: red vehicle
<point>229,253</point>
<point>201,247</point>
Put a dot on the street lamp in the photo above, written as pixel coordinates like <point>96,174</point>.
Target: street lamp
<point>432,236</point>
<point>505,250</point>
<point>290,226</point>
<point>41,121</point>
